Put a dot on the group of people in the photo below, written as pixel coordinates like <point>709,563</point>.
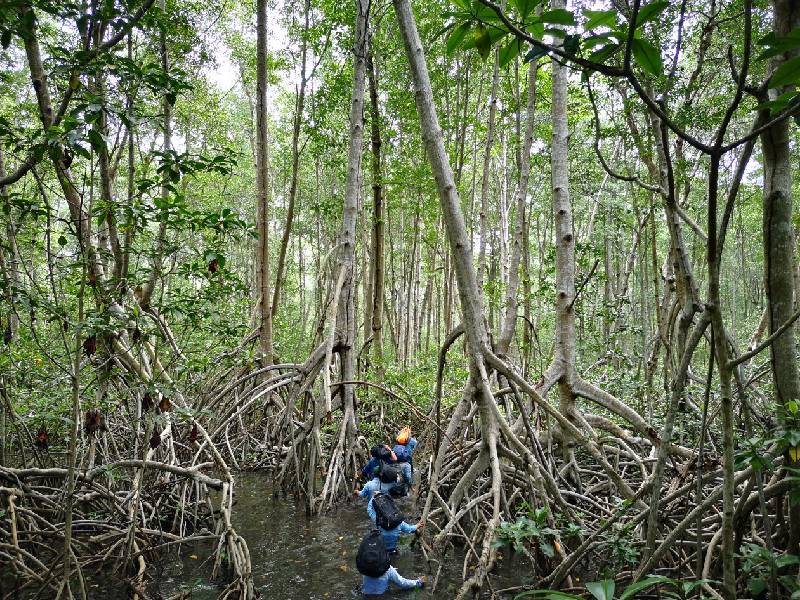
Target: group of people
<point>388,475</point>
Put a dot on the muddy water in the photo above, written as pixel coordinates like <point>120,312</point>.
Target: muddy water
<point>297,558</point>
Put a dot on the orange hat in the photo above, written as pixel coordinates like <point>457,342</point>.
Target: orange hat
<point>404,435</point>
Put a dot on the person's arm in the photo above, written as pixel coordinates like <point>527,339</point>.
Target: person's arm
<point>407,527</point>
<point>371,511</point>
<point>402,582</point>
<point>412,443</point>
<point>366,491</point>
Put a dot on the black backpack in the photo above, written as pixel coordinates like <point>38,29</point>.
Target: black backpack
<point>390,473</point>
<point>381,453</point>
<point>387,515</point>
<point>372,559</point>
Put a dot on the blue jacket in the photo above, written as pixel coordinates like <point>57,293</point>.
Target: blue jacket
<point>371,468</point>
<point>379,585</point>
<point>390,536</point>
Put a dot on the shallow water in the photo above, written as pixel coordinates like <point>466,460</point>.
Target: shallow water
<point>295,557</point>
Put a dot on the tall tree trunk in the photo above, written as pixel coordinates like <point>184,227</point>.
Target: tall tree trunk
<point>565,245</point>
<point>521,196</point>
<point>262,180</point>
<point>779,257</point>
<point>298,120</point>
<point>487,167</point>
<point>9,259</point>
<point>161,240</point>
<point>377,268</point>
<point>343,460</point>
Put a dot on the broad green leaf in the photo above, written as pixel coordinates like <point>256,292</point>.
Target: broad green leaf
<point>600,18</point>
<point>788,72</point>
<point>484,13</point>
<point>534,53</point>
<point>647,56</point>
<point>509,52</point>
<point>647,582</point>
<point>603,53</point>
<point>778,45</point>
<point>525,7</point>
<point>483,43</point>
<point>572,43</point>
<point>650,12</point>
<point>456,37</point>
<point>598,40</point>
<point>756,586</point>
<point>96,140</point>
<point>463,4</point>
<point>556,33</point>
<point>536,29</point>
<point>602,590</point>
<point>558,16</point>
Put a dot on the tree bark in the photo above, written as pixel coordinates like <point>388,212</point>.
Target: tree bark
<point>298,120</point>
<point>262,180</point>
<point>377,268</point>
<point>521,196</point>
<point>779,255</point>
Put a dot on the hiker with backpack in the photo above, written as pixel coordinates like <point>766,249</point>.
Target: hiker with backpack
<point>385,473</point>
<point>378,454</point>
<point>403,452</point>
<point>383,511</point>
<point>389,478</point>
<point>372,562</point>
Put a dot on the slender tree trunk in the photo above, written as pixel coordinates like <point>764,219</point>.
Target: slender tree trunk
<point>565,245</point>
<point>9,258</point>
<point>262,179</point>
<point>298,120</point>
<point>377,270</point>
<point>779,248</point>
<point>487,167</point>
<point>521,196</point>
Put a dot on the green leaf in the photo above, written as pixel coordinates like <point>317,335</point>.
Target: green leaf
<point>647,582</point>
<point>463,4</point>
<point>600,18</point>
<point>558,16</point>
<point>603,53</point>
<point>509,52</point>
<point>572,43</point>
<point>483,43</point>
<point>456,37</point>
<point>774,106</point>
<point>650,12</point>
<point>599,39</point>
<point>602,590</point>
<point>778,45</point>
<point>96,140</point>
<point>788,72</point>
<point>555,32</point>
<point>647,56</point>
<point>534,53</point>
<point>756,586</point>
<point>524,7</point>
<point>62,240</point>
